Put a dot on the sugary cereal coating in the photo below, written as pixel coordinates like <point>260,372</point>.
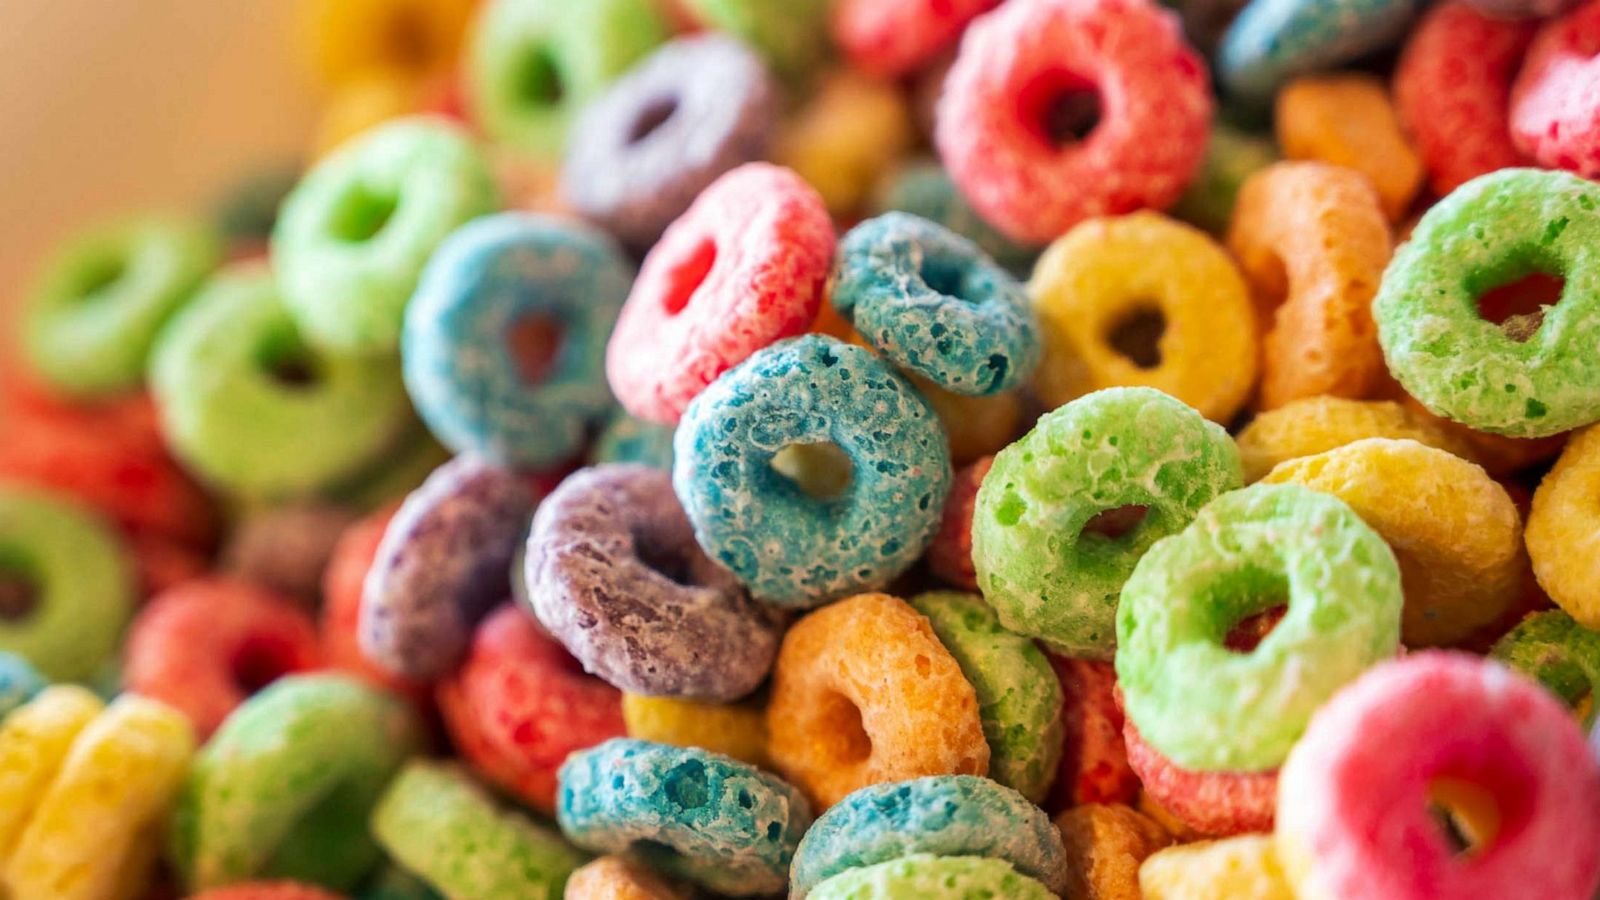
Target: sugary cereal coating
<point>1555,112</point>
<point>1019,698</point>
<point>1094,758</point>
<point>1555,651</point>
<point>1211,803</point>
<point>1239,868</point>
<point>1204,705</point>
<point>1313,425</point>
<point>434,820</point>
<point>1003,119</point>
<point>921,876</point>
<point>1492,231</point>
<point>1105,844</point>
<point>1348,120</point>
<point>715,821</point>
<point>948,815</point>
<point>1143,300</point>
<point>1048,559</point>
<point>619,878</point>
<point>785,544</point>
<point>1312,241</point>
<point>1452,89</point>
<point>738,730</point>
<point>1563,534</point>
<point>1453,529</point>
<point>864,693</point>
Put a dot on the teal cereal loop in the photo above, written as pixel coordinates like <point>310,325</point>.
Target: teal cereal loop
<point>1067,511</point>
<point>925,877</point>
<point>251,408</point>
<point>284,788</point>
<point>1560,654</point>
<point>66,588</point>
<point>436,822</point>
<point>1528,378</point>
<point>89,322</point>
<point>721,823</point>
<point>1207,707</point>
<point>1019,699</point>
<point>353,236</point>
<point>944,815</point>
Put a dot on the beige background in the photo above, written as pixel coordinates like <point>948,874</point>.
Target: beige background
<point>108,105</point>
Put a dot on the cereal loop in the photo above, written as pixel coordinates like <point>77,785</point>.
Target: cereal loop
<point>1453,529</point>
<point>1348,120</point>
<point>1563,531</point>
<point>1143,300</point>
<point>864,693</point>
<point>1313,242</point>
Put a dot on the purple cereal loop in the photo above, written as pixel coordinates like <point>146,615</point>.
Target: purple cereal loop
<point>443,563</point>
<point>613,571</point>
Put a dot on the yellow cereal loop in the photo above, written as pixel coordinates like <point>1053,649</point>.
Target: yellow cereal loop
<point>1142,300</point>
<point>1239,868</point>
<point>34,742</point>
<point>842,141</point>
<point>1564,529</point>
<point>733,729</point>
<point>1348,120</point>
<point>1105,845</point>
<point>89,837</point>
<point>346,39</point>
<point>1315,425</point>
<point>364,103</point>
<point>1453,529</point>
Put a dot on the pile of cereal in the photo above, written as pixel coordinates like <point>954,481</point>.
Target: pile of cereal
<point>842,449</point>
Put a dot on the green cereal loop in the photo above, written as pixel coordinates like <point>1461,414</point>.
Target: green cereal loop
<point>921,876</point>
<point>1556,651</point>
<point>82,578</point>
<point>1019,698</point>
<point>89,321</point>
<point>231,419</point>
<point>436,822</point>
<point>284,788</point>
<point>351,239</point>
<point>1041,571</point>
<point>532,64</point>
<point>1492,231</point>
<point>1206,707</point>
<point>791,35</point>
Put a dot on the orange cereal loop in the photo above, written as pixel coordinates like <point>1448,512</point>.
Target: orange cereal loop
<point>1348,120</point>
<point>1563,532</point>
<point>1105,845</point>
<point>616,878</point>
<point>1315,425</point>
<point>864,693</point>
<point>1313,242</point>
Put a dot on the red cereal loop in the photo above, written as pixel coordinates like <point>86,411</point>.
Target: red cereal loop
<point>519,704</point>
<point>205,646</point>
<point>267,890</point>
<point>1094,763</point>
<point>342,584</point>
<point>110,458</point>
<point>743,268</point>
<point>1452,89</point>
<point>1000,121</point>
<point>888,38</point>
<point>1555,105</point>
<point>950,551</point>
<point>1214,804</point>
